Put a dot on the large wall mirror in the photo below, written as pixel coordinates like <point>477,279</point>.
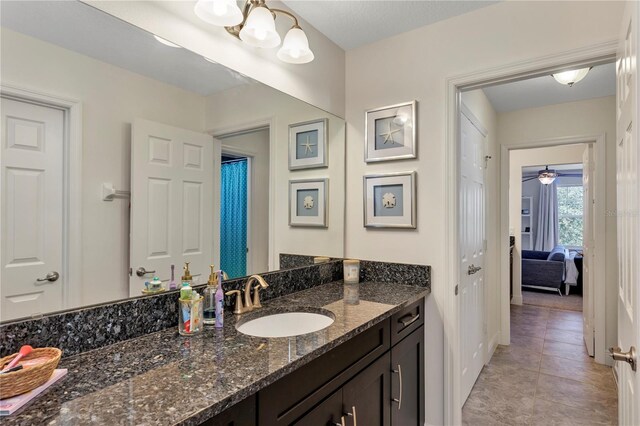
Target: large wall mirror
<point>122,153</point>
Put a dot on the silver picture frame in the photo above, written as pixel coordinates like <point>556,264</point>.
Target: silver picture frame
<point>402,117</point>
<point>309,202</point>
<point>379,205</point>
<point>318,127</point>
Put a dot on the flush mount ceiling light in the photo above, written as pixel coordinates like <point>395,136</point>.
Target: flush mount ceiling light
<point>546,176</point>
<point>571,77</point>
<point>254,24</point>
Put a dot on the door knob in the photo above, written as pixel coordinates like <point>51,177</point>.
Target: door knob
<point>141,272</point>
<point>473,269</point>
<point>630,357</point>
<point>51,277</point>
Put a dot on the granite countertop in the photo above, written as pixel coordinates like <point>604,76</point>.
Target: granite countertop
<point>166,379</point>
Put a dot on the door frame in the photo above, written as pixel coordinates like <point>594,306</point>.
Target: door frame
<point>250,126</point>
<point>72,182</point>
<point>599,289</point>
<point>537,66</point>
<point>248,156</point>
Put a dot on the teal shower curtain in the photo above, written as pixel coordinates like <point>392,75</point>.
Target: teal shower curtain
<point>233,219</point>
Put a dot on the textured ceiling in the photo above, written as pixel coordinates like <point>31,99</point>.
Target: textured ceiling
<point>83,29</point>
<point>542,91</point>
<point>354,23</point>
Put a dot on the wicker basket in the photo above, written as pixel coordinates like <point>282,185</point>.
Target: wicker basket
<point>21,381</point>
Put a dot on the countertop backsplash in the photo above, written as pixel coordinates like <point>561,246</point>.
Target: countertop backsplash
<point>80,330</point>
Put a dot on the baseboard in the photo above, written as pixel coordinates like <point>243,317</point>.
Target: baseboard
<point>492,346</point>
<point>516,299</point>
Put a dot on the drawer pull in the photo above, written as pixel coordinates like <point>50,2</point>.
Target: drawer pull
<point>353,414</point>
<point>409,319</point>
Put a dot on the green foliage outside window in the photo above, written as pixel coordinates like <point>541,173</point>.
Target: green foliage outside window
<point>570,208</point>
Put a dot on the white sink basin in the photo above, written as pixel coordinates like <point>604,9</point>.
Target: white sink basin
<point>286,324</point>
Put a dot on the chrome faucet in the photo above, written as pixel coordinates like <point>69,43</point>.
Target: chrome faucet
<point>248,304</point>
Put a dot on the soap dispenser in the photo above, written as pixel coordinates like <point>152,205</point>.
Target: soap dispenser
<point>187,283</point>
<point>210,298</point>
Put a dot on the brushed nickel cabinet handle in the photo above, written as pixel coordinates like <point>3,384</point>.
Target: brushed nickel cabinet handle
<point>409,319</point>
<point>399,399</point>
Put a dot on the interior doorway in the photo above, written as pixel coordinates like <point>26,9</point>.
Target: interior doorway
<point>245,171</point>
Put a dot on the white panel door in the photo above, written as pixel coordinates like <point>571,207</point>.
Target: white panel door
<point>628,214</point>
<point>588,216</point>
<point>31,208</point>
<point>172,207</point>
<point>472,254</point>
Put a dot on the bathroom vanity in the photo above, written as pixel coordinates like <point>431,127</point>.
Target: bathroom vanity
<point>366,368</point>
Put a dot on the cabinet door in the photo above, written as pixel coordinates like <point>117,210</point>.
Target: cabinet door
<point>327,413</point>
<point>241,414</point>
<point>407,380</point>
<point>366,398</point>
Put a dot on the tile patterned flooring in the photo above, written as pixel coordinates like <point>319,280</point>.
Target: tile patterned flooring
<point>545,376</point>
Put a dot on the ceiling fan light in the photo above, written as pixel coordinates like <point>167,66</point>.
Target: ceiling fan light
<point>223,13</point>
<point>571,77</point>
<point>546,176</point>
<point>295,47</point>
<point>260,29</point>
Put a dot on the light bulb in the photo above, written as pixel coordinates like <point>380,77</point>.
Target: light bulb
<point>223,13</point>
<point>295,47</point>
<point>259,30</point>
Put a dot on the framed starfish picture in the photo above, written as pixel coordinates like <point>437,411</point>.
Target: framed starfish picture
<point>308,202</point>
<point>390,133</point>
<point>308,144</point>
<point>390,200</point>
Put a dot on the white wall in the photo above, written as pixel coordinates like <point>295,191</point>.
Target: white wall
<point>590,117</point>
<point>421,61</point>
<point>480,106</point>
<point>320,82</point>
<point>111,98</point>
<point>564,154</point>
<point>255,145</point>
<point>243,107</point>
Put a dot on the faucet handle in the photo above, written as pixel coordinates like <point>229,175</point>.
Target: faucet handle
<point>239,308</point>
<point>256,297</point>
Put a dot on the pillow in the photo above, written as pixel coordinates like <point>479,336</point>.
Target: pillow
<point>557,254</point>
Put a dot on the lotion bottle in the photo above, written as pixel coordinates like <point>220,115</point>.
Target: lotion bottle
<point>210,299</point>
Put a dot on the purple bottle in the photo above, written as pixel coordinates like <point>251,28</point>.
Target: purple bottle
<point>219,303</point>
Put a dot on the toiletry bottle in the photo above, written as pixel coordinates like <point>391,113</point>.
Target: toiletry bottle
<point>187,280</point>
<point>172,283</point>
<point>219,303</point>
<point>210,299</point>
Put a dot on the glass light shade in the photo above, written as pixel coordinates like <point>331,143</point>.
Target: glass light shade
<point>223,13</point>
<point>165,41</point>
<point>571,77</point>
<point>295,48</point>
<point>260,29</point>
<point>546,176</point>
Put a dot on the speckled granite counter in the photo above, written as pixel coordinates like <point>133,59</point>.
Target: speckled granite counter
<point>166,379</point>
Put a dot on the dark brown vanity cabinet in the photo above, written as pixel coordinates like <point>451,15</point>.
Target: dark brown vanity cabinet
<point>407,380</point>
<point>374,379</point>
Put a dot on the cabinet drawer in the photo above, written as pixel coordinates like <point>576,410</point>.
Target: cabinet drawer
<point>295,394</point>
<point>406,321</point>
<point>241,414</point>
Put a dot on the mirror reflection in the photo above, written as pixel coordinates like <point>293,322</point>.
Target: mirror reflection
<point>125,156</point>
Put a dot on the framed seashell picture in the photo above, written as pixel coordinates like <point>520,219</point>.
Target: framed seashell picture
<point>308,202</point>
<point>390,200</point>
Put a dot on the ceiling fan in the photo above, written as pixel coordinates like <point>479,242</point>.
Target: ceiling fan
<point>547,176</point>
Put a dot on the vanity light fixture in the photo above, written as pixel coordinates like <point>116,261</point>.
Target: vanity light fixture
<point>254,24</point>
<point>546,176</point>
<point>165,41</point>
<point>571,77</point>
